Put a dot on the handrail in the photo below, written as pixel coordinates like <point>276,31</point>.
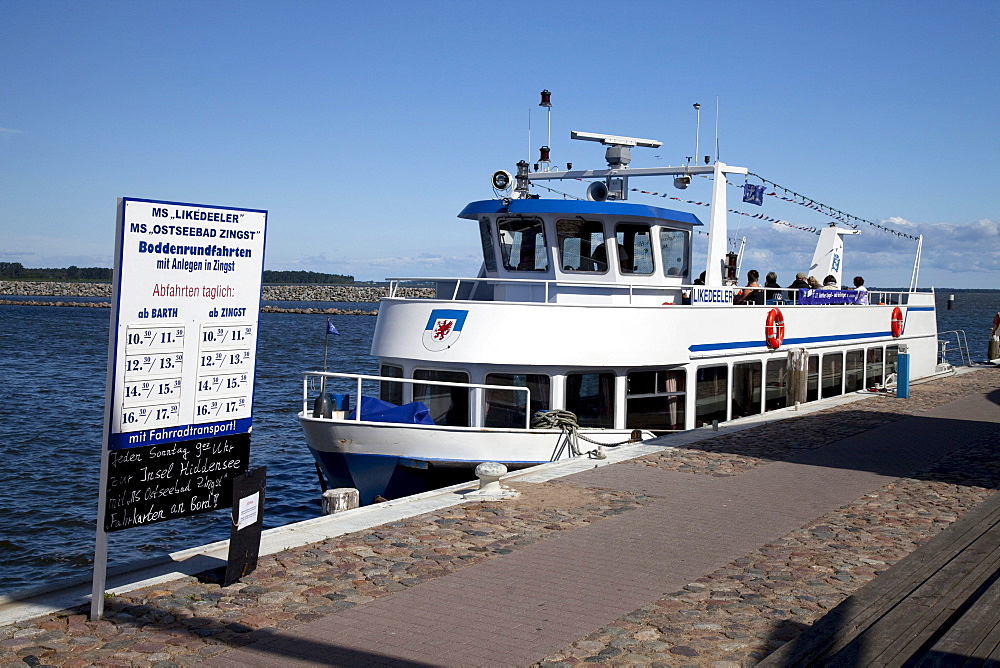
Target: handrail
<point>875,297</point>
<point>306,375</point>
<point>962,342</point>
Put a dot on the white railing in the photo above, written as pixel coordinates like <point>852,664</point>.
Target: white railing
<point>960,342</point>
<point>773,296</point>
<point>476,401</point>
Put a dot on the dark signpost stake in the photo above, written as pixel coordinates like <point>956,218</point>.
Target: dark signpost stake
<point>248,521</point>
<point>182,352</point>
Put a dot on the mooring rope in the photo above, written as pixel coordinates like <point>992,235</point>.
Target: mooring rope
<point>566,422</point>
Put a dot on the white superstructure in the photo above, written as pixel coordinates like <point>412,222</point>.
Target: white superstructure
<point>591,307</point>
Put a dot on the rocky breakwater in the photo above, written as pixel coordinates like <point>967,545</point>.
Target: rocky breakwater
<point>285,293</point>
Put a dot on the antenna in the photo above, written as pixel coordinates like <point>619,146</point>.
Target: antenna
<point>697,130</point>
<point>716,128</point>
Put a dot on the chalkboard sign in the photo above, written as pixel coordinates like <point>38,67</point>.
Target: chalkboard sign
<point>155,483</point>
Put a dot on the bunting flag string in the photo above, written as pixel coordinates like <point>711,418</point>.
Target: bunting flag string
<point>837,214</point>
<point>788,196</point>
<point>758,216</point>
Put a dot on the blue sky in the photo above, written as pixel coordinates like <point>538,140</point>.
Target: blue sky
<point>364,128</point>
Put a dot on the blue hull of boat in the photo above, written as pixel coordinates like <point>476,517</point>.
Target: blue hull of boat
<point>388,477</point>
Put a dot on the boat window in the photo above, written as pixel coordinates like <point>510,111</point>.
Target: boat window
<point>874,370</point>
<point>505,408</point>
<point>833,365</point>
<point>891,352</point>
<point>776,390</point>
<point>635,248</point>
<point>812,382</point>
<point>854,371</point>
<point>747,377</point>
<point>591,396</point>
<point>522,244</point>
<point>388,390</point>
<point>486,238</point>
<point>581,245</point>
<point>654,399</point>
<point>674,250</point>
<point>448,405</point>
<point>711,395</point>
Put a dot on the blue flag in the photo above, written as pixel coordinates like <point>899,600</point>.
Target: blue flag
<point>753,194</point>
<point>330,329</point>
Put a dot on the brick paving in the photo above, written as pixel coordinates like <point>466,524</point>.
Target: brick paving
<point>712,554</point>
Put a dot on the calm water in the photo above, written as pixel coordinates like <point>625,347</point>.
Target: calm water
<point>52,368</point>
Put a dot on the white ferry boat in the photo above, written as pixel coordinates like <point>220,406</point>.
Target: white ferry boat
<point>586,328</point>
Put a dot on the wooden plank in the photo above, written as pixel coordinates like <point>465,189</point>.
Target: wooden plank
<point>838,628</point>
<point>977,633</point>
<point>898,634</point>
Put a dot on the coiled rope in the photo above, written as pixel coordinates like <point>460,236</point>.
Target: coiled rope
<point>566,422</point>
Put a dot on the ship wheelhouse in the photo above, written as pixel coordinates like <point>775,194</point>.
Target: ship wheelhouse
<point>581,249</point>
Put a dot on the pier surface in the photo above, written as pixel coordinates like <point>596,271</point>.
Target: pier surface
<point>705,549</point>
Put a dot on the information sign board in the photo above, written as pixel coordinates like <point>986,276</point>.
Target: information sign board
<point>181,353</point>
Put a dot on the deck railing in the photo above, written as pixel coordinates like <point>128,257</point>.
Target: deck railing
<point>315,381</point>
<point>465,289</point>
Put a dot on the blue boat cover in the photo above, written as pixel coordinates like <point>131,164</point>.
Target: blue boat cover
<point>376,410</point>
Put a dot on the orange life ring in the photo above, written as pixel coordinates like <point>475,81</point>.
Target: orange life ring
<point>774,329</point>
<point>896,323</point>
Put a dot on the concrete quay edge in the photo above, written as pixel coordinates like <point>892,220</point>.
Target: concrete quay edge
<point>65,594</point>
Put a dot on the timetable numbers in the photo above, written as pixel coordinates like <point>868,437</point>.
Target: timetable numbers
<point>154,338</point>
<point>147,417</point>
<point>165,389</point>
<point>230,408</point>
<point>224,360</point>
<point>153,364</point>
<point>216,337</point>
<point>228,384</point>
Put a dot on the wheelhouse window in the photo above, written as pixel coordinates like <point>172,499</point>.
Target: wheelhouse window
<point>635,248</point>
<point>581,245</point>
<point>776,389</point>
<point>448,405</point>
<point>854,371</point>
<point>711,395</point>
<point>674,249</point>
<point>747,377</point>
<point>486,238</point>
<point>591,396</point>
<point>833,365</point>
<point>654,399</point>
<point>506,408</point>
<point>388,390</point>
<point>522,244</point>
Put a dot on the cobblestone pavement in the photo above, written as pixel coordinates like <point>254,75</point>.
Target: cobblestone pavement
<point>731,617</point>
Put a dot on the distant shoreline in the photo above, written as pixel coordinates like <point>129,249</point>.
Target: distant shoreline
<point>14,293</point>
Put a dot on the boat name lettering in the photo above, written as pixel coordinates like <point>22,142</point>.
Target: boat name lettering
<point>712,296</point>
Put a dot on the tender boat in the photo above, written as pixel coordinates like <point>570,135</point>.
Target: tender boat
<point>586,329</point>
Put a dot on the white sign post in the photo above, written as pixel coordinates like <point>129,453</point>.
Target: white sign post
<point>181,358</point>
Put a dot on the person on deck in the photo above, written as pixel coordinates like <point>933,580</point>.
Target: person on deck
<point>830,282</point>
<point>859,287</point>
<point>799,282</point>
<point>770,283</point>
<point>749,295</point>
<point>814,283</point>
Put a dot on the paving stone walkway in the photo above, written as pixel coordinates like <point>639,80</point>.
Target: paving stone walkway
<point>713,554</point>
